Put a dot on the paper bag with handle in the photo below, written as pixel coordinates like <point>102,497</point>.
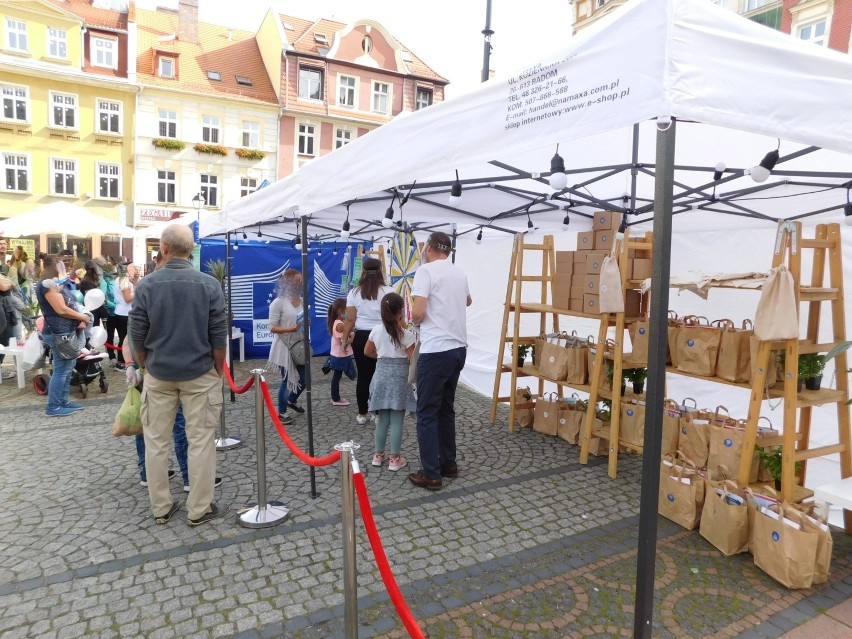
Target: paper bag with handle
<point>546,419</point>
<point>671,427</point>
<point>524,407</point>
<point>639,332</point>
<point>577,371</point>
<point>554,359</point>
<point>734,361</point>
<point>681,496</point>
<point>674,324</point>
<point>698,346</point>
<point>783,546</point>
<point>694,437</point>
<point>632,423</point>
<point>724,519</point>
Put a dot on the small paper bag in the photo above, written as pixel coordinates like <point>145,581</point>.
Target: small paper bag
<point>639,332</point>
<point>681,495</point>
<point>783,547</point>
<point>698,347</point>
<point>632,423</point>
<point>694,438</point>
<point>734,361</point>
<point>671,427</point>
<point>553,362</point>
<point>724,519</point>
<point>777,315</point>
<point>524,407</point>
<point>546,419</point>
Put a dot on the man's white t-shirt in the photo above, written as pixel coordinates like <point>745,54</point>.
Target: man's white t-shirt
<point>385,347</point>
<point>446,291</point>
<point>368,312</point>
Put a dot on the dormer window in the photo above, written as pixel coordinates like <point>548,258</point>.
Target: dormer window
<point>243,80</point>
<point>104,52</point>
<point>367,44</point>
<point>214,75</point>
<point>319,38</point>
<point>166,67</point>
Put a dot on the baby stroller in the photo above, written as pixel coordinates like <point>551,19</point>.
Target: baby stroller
<point>87,369</point>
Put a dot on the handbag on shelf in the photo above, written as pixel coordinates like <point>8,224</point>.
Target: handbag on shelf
<point>571,420</point>
<point>734,361</point>
<point>671,427</point>
<point>553,362</point>
<point>681,496</point>
<point>694,437</point>
<point>698,347</point>
<point>577,369</point>
<point>632,423</point>
<point>546,418</point>
<point>784,546</point>
<point>724,518</point>
<point>639,332</point>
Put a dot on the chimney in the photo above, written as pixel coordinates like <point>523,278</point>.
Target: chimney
<point>188,21</point>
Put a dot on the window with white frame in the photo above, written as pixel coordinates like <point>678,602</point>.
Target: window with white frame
<point>16,102</point>
<point>381,97</point>
<point>423,99</point>
<point>167,67</point>
<point>16,172</point>
<point>16,34</point>
<point>109,116</point>
<point>57,43</point>
<point>109,180</point>
<point>310,83</point>
<point>251,134</point>
<point>168,123</point>
<point>247,185</point>
<point>104,52</point>
<point>166,187</point>
<point>307,139</point>
<point>342,137</point>
<point>64,174</point>
<point>814,32</point>
<point>346,91</point>
<point>64,110</point>
<point>210,188</point>
<point>210,129</point>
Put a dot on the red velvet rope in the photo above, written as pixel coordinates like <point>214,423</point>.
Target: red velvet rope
<point>112,346</point>
<point>332,458</point>
<point>381,559</point>
<point>242,389</point>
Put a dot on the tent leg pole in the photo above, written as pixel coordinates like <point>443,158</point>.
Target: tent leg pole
<point>306,336</point>
<point>230,314</point>
<point>661,263</point>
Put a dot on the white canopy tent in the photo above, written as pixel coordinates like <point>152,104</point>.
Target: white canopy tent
<point>62,218</point>
<point>737,90</point>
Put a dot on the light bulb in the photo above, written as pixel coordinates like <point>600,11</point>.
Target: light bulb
<point>566,222</point>
<point>558,181</point>
<point>760,173</point>
<point>236,246</point>
<point>479,237</point>
<point>454,200</point>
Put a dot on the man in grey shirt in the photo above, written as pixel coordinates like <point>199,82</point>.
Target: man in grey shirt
<point>179,327</point>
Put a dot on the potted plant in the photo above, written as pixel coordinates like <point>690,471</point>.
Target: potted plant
<point>521,354</point>
<point>637,376</point>
<point>771,460</point>
<point>811,366</point>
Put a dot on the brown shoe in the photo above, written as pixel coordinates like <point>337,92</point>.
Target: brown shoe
<point>450,471</point>
<point>421,480</point>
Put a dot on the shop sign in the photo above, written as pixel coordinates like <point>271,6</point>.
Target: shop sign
<point>157,215</point>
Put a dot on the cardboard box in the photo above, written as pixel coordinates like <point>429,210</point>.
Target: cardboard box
<point>591,284</point>
<point>641,269</point>
<point>590,304</point>
<point>586,240</point>
<point>604,239</point>
<point>606,220</point>
<point>564,256</point>
<point>565,268</point>
<point>632,303</point>
<point>561,282</point>
<point>578,291</point>
<point>594,261</point>
<point>561,301</point>
<point>576,305</point>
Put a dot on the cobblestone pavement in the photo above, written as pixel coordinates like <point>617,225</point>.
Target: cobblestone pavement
<point>526,542</point>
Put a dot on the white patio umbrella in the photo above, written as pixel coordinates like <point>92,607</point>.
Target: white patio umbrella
<point>62,218</point>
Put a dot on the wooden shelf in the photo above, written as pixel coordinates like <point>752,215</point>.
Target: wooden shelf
<point>800,493</point>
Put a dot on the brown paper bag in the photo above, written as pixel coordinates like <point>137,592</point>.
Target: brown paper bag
<point>673,329</point>
<point>726,449</point>
<point>546,419</point>
<point>610,295</point>
<point>694,438</point>
<point>698,347</point>
<point>754,500</point>
<point>681,495</point>
<point>825,543</point>
<point>777,315</point>
<point>639,332</point>
<point>785,552</point>
<point>671,427</point>
<point>570,422</point>
<point>554,360</point>
<point>734,361</point>
<point>724,519</point>
<point>577,368</point>
<point>524,407</point>
<point>632,423</point>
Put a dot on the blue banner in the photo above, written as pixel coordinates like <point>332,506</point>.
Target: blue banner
<point>256,265</point>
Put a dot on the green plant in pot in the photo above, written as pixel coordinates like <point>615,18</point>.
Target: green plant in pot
<point>811,366</point>
<point>521,353</point>
<point>771,459</point>
<point>637,377</point>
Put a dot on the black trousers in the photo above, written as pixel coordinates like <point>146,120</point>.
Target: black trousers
<point>366,368</point>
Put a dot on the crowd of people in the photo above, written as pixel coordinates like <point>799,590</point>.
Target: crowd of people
<point>180,372</point>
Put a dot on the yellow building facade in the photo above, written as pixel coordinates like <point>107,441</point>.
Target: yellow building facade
<point>66,132</point>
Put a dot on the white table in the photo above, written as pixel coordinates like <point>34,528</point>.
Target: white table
<point>237,334</point>
<point>838,493</point>
<point>13,350</point>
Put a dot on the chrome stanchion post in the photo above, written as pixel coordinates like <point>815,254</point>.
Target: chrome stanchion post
<point>263,514</point>
<point>350,570</point>
<point>223,442</point>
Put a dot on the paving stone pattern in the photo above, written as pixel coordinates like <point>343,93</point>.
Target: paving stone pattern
<point>527,542</point>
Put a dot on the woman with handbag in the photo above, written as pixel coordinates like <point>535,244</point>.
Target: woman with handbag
<point>286,314</point>
<point>363,313</point>
<point>61,322</point>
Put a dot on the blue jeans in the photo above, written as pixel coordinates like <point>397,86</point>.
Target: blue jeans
<point>60,379</point>
<point>284,396</point>
<point>437,377</point>
<point>181,448</point>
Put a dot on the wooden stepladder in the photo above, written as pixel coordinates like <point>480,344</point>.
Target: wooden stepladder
<point>827,261</point>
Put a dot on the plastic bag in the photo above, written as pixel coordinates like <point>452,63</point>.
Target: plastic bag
<point>128,420</point>
<point>33,351</point>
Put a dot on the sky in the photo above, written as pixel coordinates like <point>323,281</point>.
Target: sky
<point>445,34</point>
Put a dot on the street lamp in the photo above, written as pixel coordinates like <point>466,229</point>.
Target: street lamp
<point>198,201</point>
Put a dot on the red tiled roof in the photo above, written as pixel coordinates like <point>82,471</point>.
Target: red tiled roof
<point>302,39</point>
<point>93,16</point>
<point>216,51</point>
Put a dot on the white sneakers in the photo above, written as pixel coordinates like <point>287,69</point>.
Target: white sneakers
<point>363,419</point>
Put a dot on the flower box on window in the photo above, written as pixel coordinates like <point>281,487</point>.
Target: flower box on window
<point>169,144</point>
<point>250,154</point>
<point>211,149</point>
